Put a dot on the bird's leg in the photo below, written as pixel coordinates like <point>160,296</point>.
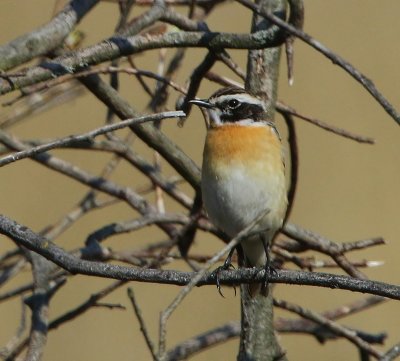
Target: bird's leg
<point>268,264</point>
<point>226,266</point>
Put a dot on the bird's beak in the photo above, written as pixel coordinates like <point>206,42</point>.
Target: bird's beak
<point>203,103</point>
<point>206,109</point>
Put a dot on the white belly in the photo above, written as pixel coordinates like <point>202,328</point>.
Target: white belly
<point>233,199</point>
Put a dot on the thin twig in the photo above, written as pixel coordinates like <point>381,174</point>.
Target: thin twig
<point>46,38</point>
<point>12,270</point>
<point>7,255</point>
<point>296,18</point>
<point>195,79</point>
<point>285,109</point>
<point>336,59</point>
<point>157,140</point>
<point>16,292</point>
<point>36,102</point>
<point>125,227</point>
<point>203,341</point>
<point>143,328</point>
<point>121,149</point>
<point>88,203</point>
<point>392,354</point>
<point>362,244</point>
<point>294,163</point>
<point>316,242</point>
<point>70,315</point>
<point>333,326</point>
<point>105,70</point>
<point>322,333</point>
<point>86,137</point>
<point>16,339</point>
<point>92,301</point>
<point>132,198</point>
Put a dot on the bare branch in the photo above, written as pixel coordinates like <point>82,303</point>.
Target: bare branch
<point>16,292</point>
<point>132,198</point>
<point>118,46</point>
<point>87,137</point>
<point>322,334</point>
<point>294,163</point>
<point>203,341</point>
<point>72,314</point>
<point>92,301</point>
<point>46,38</point>
<point>336,328</point>
<point>16,339</point>
<point>12,270</point>
<point>336,59</point>
<point>147,132</point>
<point>143,328</point>
<point>24,236</point>
<point>321,244</point>
<point>285,109</point>
<point>392,354</point>
<point>296,18</point>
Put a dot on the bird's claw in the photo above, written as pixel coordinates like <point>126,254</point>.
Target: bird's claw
<point>225,267</point>
<point>268,271</point>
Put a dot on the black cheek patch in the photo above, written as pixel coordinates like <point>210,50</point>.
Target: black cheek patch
<point>244,111</point>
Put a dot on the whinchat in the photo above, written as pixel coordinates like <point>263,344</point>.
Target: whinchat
<point>243,171</point>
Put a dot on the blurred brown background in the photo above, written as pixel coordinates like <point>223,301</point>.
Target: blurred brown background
<point>347,191</point>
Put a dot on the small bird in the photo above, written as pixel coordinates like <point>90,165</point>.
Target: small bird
<point>243,171</point>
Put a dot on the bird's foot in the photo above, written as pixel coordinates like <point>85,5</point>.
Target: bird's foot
<point>225,267</point>
<point>268,271</point>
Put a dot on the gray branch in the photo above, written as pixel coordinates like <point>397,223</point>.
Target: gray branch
<point>39,244</point>
<point>86,137</point>
<point>118,46</point>
<point>336,59</point>
<point>46,38</point>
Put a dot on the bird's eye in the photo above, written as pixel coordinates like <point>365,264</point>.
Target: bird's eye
<point>233,103</point>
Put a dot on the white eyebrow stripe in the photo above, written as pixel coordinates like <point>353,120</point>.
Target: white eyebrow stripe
<point>243,98</point>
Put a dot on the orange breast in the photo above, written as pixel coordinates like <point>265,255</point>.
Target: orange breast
<point>230,144</point>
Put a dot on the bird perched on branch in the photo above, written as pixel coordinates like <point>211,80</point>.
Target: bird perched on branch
<point>243,171</point>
